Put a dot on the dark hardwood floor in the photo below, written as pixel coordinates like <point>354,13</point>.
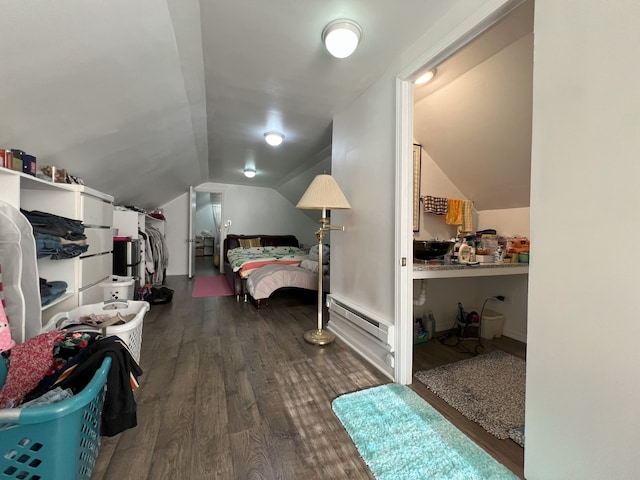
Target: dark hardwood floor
<point>233,392</point>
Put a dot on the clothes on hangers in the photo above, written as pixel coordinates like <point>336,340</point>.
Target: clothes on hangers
<point>157,255</point>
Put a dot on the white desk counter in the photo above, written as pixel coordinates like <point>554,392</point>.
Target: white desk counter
<point>424,270</point>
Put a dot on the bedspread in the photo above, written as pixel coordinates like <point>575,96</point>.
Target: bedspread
<point>262,283</point>
<point>244,260</point>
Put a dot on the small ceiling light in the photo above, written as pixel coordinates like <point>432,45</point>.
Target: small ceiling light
<point>341,37</point>
<point>249,172</point>
<point>274,138</point>
<point>426,77</point>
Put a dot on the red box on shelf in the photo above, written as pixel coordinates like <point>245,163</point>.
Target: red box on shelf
<point>7,158</point>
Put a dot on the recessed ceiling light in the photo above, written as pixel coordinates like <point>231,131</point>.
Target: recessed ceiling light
<point>274,138</point>
<point>341,37</point>
<point>426,77</point>
<point>249,172</point>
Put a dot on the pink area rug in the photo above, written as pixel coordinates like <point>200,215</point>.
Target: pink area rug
<point>211,287</point>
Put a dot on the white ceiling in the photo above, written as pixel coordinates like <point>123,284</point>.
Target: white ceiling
<point>142,99</point>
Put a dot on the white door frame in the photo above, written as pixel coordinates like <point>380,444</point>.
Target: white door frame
<point>478,22</point>
<point>191,238</point>
<point>223,230</point>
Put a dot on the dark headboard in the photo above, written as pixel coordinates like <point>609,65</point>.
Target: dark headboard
<point>233,241</point>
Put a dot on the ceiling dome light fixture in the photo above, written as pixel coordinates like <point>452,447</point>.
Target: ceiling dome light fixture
<point>426,77</point>
<point>341,37</point>
<point>249,172</point>
<point>273,138</point>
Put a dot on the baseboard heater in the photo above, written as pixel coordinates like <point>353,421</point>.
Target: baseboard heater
<point>370,338</point>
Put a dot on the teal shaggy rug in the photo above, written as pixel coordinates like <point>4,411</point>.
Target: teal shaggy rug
<point>401,437</point>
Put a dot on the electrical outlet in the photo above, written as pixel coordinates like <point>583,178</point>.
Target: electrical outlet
<point>502,298</point>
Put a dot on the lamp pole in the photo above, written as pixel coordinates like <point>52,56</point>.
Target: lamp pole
<point>320,336</point>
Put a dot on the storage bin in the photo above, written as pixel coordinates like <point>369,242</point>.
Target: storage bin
<point>491,324</point>
<point>54,442</point>
<point>130,332</point>
<point>119,288</point>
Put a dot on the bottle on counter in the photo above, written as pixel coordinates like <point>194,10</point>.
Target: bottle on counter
<point>464,254</point>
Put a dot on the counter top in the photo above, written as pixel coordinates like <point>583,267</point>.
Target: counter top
<point>424,270</point>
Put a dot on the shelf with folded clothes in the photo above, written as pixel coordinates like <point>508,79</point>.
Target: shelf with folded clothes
<point>82,263</point>
<point>57,284</point>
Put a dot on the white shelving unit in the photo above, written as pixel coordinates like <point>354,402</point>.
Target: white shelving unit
<point>82,274</point>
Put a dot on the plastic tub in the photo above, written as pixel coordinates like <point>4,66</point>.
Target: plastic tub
<point>119,288</point>
<point>54,442</point>
<point>130,332</point>
<point>491,324</point>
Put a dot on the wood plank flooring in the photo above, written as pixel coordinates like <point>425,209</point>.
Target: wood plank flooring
<point>233,392</point>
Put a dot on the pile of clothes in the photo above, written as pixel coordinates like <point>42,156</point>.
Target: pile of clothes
<point>56,237</point>
<point>54,365</point>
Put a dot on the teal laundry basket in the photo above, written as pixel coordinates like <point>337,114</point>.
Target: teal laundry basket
<point>54,442</point>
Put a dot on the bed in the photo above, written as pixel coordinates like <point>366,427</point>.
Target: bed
<point>258,265</point>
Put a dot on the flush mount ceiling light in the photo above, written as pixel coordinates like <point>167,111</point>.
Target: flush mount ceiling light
<point>426,77</point>
<point>274,138</point>
<point>341,37</point>
<point>249,172</point>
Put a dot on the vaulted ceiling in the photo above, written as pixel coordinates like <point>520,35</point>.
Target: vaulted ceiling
<point>143,98</point>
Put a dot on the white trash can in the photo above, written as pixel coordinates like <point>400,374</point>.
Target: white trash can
<point>491,324</point>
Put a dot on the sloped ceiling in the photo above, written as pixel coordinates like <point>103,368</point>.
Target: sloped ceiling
<point>144,98</point>
<point>474,119</point>
<point>98,88</point>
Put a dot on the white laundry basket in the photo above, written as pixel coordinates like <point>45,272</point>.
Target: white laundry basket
<point>119,288</point>
<point>130,332</point>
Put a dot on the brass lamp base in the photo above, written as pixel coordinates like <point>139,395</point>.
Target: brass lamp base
<point>319,337</point>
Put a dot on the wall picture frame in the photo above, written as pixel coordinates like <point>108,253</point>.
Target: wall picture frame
<point>417,167</point>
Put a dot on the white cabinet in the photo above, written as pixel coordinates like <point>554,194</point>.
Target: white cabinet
<point>84,273</point>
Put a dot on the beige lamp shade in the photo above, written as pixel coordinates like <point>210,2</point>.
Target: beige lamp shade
<point>323,192</point>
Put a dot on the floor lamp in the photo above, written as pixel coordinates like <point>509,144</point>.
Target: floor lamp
<point>323,194</point>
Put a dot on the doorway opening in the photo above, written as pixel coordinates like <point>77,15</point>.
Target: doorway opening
<point>207,231</point>
<point>462,54</point>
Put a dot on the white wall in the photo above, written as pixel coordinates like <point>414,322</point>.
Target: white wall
<point>250,209</point>
<point>507,221</point>
<point>362,267</point>
<point>582,412</point>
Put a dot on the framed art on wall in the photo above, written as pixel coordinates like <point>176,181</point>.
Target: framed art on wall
<point>417,154</point>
